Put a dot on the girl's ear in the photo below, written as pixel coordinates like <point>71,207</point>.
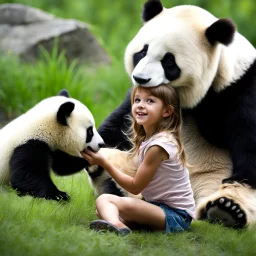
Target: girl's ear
<point>168,111</point>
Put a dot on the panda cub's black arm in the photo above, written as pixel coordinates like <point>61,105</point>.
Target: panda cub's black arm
<point>65,164</point>
<point>30,171</point>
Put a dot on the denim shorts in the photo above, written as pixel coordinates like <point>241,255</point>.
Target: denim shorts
<point>176,220</point>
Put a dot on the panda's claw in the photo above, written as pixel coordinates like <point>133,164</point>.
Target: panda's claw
<point>221,200</point>
<point>63,197</point>
<point>210,204</point>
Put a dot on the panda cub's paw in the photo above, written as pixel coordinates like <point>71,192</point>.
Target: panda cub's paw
<point>61,196</point>
<point>95,171</point>
<point>225,211</point>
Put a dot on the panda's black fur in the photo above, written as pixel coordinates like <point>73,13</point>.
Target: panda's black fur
<point>113,134</point>
<point>35,152</point>
<point>222,117</point>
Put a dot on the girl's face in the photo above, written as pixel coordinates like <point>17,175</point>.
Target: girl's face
<point>148,110</point>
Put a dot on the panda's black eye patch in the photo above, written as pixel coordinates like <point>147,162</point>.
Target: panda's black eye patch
<point>168,60</point>
<point>171,69</point>
<point>89,134</point>
<point>140,55</point>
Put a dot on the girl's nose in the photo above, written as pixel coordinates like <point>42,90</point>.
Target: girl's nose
<point>141,105</point>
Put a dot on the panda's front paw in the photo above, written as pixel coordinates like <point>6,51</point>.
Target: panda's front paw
<point>63,197</point>
<point>94,171</point>
<point>60,196</point>
<point>225,211</point>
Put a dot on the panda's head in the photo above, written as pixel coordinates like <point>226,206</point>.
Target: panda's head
<point>66,124</point>
<point>189,48</point>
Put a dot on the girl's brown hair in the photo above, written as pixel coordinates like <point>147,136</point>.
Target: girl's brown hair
<point>170,124</point>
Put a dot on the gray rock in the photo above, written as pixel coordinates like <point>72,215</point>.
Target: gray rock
<point>18,14</point>
<point>23,29</point>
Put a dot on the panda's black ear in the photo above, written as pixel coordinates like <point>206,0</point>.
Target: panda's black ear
<point>64,112</point>
<point>223,31</point>
<point>150,9</point>
<point>64,93</point>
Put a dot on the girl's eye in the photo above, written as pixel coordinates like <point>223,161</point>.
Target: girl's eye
<point>150,101</point>
<point>136,100</point>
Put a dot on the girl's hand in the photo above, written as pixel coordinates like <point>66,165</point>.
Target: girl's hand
<point>93,158</point>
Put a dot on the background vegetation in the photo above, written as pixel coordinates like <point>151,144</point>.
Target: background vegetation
<point>114,23</point>
<point>31,226</point>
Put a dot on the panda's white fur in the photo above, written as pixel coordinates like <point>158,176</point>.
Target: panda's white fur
<point>215,79</point>
<point>41,124</point>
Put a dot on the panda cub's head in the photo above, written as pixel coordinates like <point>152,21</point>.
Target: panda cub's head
<point>64,123</point>
<point>189,48</point>
<point>79,125</point>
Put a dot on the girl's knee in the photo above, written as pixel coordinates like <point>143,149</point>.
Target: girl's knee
<point>104,198</point>
<point>127,205</point>
<point>124,204</point>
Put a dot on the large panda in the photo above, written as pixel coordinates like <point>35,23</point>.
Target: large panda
<point>50,135</point>
<point>213,69</point>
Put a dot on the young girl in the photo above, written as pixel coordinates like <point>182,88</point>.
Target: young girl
<point>161,178</point>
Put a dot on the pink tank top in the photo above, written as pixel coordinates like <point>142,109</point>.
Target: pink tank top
<point>171,184</point>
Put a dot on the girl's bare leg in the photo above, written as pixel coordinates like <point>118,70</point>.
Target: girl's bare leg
<point>111,208</point>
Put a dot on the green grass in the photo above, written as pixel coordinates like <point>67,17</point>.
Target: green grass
<point>34,227</point>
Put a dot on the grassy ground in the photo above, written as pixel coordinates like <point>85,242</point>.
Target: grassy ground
<point>34,227</point>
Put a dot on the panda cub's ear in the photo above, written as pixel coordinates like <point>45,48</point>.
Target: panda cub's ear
<point>64,93</point>
<point>64,112</point>
<point>222,31</point>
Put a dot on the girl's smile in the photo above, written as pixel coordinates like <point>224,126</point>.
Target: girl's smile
<point>140,114</point>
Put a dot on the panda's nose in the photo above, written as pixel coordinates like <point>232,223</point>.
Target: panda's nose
<point>141,80</point>
<point>101,145</point>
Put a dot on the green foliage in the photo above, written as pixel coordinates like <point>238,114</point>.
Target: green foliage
<point>114,23</point>
<point>23,85</point>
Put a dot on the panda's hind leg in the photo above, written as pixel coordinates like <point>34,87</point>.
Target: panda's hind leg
<point>30,171</point>
<point>233,205</point>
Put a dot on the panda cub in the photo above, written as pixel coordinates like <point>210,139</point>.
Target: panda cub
<point>50,135</point>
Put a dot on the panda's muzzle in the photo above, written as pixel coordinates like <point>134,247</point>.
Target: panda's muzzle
<point>100,145</point>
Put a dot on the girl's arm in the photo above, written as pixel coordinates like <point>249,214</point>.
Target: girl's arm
<point>144,174</point>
